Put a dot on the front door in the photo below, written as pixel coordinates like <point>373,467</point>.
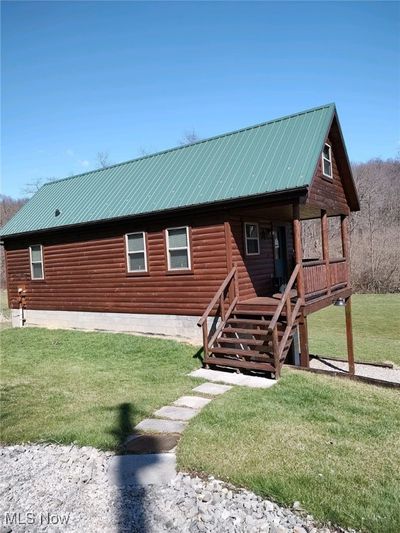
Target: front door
<point>280,255</point>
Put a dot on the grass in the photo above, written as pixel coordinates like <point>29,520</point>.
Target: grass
<point>4,309</point>
<point>375,327</point>
<point>92,388</point>
<point>330,444</point>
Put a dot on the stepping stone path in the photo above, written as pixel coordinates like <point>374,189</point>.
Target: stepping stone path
<point>156,425</point>
<point>195,402</point>
<point>176,413</point>
<point>232,378</point>
<point>151,449</point>
<point>212,388</point>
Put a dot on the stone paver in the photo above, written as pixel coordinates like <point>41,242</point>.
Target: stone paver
<point>194,402</point>
<point>176,413</point>
<point>156,425</point>
<point>152,443</point>
<point>212,389</point>
<point>148,469</point>
<point>233,378</point>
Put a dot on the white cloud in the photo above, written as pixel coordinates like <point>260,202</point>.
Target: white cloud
<point>70,152</point>
<point>84,162</point>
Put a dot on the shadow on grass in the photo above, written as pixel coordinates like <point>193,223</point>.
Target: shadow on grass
<point>199,355</point>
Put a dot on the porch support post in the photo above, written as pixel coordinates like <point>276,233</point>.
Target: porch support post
<point>349,337</point>
<point>325,248</point>
<point>228,251</point>
<point>304,351</point>
<point>298,249</point>
<point>344,230</point>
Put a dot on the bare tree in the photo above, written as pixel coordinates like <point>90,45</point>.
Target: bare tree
<point>375,229</point>
<point>189,137</point>
<point>8,207</point>
<point>33,186</point>
<point>142,152</point>
<point>103,159</point>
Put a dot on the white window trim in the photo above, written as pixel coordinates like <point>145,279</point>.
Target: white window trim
<point>36,262</point>
<point>330,176</point>
<point>187,248</point>
<point>252,238</point>
<point>144,251</point>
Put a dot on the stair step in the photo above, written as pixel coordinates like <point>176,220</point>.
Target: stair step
<point>241,340</point>
<point>244,355</point>
<point>266,367</point>
<point>247,352</point>
<point>254,312</point>
<point>261,312</point>
<point>236,351</point>
<point>246,331</point>
<point>256,322</point>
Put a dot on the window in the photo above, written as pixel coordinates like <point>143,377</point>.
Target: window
<point>36,257</point>
<point>136,256</point>
<point>252,238</point>
<point>327,161</point>
<point>178,251</point>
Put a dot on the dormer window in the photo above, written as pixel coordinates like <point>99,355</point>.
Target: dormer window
<point>327,161</point>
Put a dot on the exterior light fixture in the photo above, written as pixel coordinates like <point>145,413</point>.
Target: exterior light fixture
<point>340,302</point>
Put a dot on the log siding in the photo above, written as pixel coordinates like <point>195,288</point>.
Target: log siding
<point>85,272</point>
<point>328,193</point>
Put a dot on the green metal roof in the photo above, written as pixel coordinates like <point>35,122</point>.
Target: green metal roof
<point>273,156</point>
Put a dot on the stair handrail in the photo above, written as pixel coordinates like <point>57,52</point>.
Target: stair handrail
<point>278,347</point>
<point>285,297</point>
<point>219,298</point>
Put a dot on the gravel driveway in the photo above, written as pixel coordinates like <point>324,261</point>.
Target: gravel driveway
<point>66,488</point>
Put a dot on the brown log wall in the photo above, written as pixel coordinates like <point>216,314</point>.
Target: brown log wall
<point>256,272</point>
<point>85,270</point>
<point>328,193</point>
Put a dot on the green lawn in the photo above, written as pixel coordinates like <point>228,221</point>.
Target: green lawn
<point>4,309</point>
<point>331,444</point>
<point>376,327</point>
<point>92,388</point>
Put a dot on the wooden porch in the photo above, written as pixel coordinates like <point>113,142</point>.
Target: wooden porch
<point>256,333</point>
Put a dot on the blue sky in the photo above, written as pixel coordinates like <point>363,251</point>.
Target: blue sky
<point>121,77</point>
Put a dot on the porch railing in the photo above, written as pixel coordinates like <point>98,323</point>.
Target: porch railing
<point>228,292</point>
<point>285,305</point>
<point>321,277</point>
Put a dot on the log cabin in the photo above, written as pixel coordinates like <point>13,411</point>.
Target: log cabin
<point>207,234</point>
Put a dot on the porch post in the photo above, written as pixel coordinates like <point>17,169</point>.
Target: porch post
<point>229,262</point>
<point>304,351</point>
<point>349,337</point>
<point>325,248</point>
<point>344,230</point>
<point>298,250</point>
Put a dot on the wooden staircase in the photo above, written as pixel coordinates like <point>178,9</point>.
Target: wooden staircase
<point>252,335</point>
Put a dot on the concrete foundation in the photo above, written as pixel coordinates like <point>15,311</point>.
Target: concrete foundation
<point>174,326</point>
